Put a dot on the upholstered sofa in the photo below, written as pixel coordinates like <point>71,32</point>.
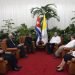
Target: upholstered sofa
<point>72,62</point>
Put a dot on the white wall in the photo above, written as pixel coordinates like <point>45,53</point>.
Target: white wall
<point>19,11</point>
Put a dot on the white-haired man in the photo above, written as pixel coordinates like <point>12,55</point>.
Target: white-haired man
<point>54,40</point>
<point>11,44</point>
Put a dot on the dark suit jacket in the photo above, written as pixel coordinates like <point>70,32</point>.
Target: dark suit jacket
<point>28,41</point>
<point>11,44</point>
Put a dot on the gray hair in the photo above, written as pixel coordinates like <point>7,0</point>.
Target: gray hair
<point>10,34</point>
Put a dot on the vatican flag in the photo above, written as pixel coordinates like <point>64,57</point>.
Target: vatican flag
<point>44,35</point>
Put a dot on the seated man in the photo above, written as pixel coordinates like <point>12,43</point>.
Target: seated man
<point>11,60</point>
<point>54,40</point>
<point>28,43</point>
<point>71,44</point>
<point>68,57</point>
<point>11,44</point>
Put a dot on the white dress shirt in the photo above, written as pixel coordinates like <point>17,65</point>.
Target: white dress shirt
<point>71,44</point>
<point>55,39</point>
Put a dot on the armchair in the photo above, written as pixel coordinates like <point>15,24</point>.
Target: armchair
<point>66,50</point>
<point>3,66</point>
<point>71,64</point>
<point>72,67</point>
<point>12,50</point>
<point>41,45</point>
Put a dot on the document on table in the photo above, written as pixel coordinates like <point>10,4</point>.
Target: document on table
<point>73,53</point>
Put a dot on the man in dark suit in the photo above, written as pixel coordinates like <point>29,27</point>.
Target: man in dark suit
<point>11,44</point>
<point>9,57</point>
<point>28,43</point>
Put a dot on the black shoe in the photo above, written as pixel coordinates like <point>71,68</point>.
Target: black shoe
<point>19,67</point>
<point>25,56</point>
<point>16,69</point>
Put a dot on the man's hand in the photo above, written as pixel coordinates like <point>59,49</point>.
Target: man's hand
<point>21,44</point>
<point>1,51</point>
<point>1,58</point>
<point>73,59</point>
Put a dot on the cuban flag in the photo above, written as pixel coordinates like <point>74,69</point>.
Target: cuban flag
<point>38,30</point>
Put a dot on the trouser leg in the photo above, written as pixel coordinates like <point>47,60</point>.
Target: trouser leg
<point>30,49</point>
<point>50,47</point>
<point>59,50</point>
<point>22,51</point>
<point>11,60</point>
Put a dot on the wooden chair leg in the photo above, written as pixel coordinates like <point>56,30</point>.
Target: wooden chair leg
<point>72,68</point>
<point>17,54</point>
<point>3,67</point>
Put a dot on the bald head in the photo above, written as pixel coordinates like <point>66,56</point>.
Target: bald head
<point>10,35</point>
<point>55,34</point>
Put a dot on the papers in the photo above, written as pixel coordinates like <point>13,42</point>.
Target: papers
<point>73,53</point>
<point>20,44</point>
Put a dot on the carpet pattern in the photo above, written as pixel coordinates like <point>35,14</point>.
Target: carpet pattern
<point>39,63</point>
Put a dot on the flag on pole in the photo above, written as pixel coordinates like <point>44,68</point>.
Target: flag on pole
<point>38,30</point>
<point>44,35</point>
